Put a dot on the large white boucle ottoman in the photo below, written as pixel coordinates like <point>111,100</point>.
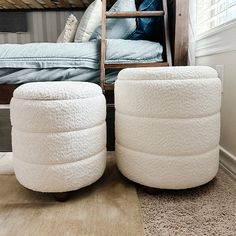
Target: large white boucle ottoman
<point>168,125</point>
<point>58,135</point>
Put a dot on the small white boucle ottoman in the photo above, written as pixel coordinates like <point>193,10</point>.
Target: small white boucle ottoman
<point>168,125</point>
<point>58,135</point>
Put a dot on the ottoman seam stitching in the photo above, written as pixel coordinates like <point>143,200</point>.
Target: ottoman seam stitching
<point>55,132</point>
<point>72,99</point>
<point>175,79</point>
<point>54,164</point>
<point>155,154</point>
<point>169,118</point>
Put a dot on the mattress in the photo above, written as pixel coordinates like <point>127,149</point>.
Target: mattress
<point>20,76</point>
<point>71,61</point>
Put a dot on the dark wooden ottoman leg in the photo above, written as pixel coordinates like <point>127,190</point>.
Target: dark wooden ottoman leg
<point>62,197</point>
<point>149,190</point>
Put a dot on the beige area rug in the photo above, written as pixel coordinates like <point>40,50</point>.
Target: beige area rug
<point>207,210</point>
<point>108,207</point>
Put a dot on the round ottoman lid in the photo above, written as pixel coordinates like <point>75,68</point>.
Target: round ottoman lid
<point>57,90</point>
<point>168,73</point>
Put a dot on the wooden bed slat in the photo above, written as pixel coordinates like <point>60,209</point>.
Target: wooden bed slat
<point>43,4</point>
<point>48,4</point>
<point>18,3</point>
<point>6,5</point>
<point>134,14</point>
<point>64,4</point>
<point>33,4</point>
<point>134,65</point>
<point>86,2</point>
<point>79,3</point>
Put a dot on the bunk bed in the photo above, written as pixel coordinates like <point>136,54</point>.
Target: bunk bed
<point>175,43</point>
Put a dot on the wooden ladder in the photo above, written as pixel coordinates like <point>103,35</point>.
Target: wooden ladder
<point>167,60</point>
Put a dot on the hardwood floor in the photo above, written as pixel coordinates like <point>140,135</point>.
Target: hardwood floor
<point>6,165</point>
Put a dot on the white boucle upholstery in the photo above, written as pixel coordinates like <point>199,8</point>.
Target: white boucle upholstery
<point>165,98</point>
<point>29,115</point>
<point>168,136</point>
<point>56,91</point>
<point>80,144</point>
<point>170,73</point>
<point>168,125</point>
<point>58,135</point>
<point>168,172</point>
<point>60,177</point>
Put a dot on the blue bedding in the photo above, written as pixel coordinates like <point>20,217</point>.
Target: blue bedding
<point>70,61</point>
<point>20,76</point>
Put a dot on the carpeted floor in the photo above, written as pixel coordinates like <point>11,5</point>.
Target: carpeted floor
<point>206,210</point>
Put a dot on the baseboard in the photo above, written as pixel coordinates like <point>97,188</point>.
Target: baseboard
<point>4,106</point>
<point>228,162</point>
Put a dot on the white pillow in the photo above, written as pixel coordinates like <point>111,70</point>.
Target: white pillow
<point>68,34</point>
<point>90,21</point>
<point>119,28</point>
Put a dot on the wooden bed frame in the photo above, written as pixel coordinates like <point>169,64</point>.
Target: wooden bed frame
<point>178,35</point>
<point>167,58</point>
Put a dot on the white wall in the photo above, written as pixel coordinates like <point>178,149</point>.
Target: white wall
<point>219,48</point>
<point>42,27</point>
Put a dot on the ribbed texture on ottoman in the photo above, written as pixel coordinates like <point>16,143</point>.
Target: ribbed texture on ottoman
<point>168,125</point>
<point>58,135</point>
<point>58,147</point>
<point>168,172</point>
<point>60,177</point>
<point>57,115</point>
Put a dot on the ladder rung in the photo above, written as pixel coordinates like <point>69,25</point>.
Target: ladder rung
<point>134,14</point>
<point>134,65</point>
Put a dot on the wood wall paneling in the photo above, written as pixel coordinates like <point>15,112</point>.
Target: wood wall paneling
<point>43,26</point>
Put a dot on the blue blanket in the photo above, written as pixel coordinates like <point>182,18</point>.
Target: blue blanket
<point>70,61</point>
